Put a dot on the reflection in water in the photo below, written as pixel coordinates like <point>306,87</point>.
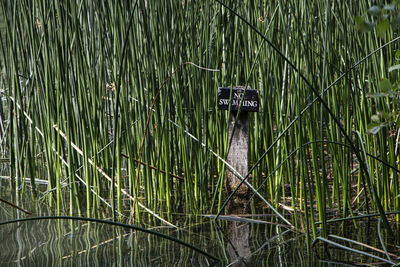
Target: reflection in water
<point>238,243</point>
<point>77,243</point>
<point>241,241</point>
<point>238,232</point>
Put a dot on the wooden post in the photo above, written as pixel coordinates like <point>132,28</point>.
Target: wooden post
<point>238,155</point>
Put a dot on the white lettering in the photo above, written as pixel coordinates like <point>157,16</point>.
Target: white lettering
<point>224,101</point>
<point>237,95</point>
<point>236,102</point>
<point>249,103</point>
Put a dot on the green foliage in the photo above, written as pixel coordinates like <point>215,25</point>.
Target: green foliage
<point>384,19</point>
<point>67,63</point>
<point>380,18</point>
<point>391,118</point>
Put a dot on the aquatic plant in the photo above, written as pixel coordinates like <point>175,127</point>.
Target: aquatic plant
<point>113,101</point>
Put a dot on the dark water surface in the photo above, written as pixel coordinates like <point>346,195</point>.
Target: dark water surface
<point>236,242</point>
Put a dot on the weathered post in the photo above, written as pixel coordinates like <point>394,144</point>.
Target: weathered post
<point>238,155</point>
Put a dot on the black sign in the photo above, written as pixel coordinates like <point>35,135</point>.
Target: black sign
<point>249,96</point>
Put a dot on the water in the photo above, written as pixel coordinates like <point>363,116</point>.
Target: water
<point>249,241</point>
<point>49,243</point>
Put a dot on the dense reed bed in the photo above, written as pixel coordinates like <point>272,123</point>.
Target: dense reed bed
<point>109,101</point>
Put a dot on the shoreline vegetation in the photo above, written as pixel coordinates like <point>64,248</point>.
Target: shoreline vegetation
<point>112,107</point>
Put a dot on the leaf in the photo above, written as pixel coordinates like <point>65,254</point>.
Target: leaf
<point>375,118</point>
<point>369,25</point>
<point>360,23</point>
<point>374,11</point>
<point>374,128</point>
<point>395,67</point>
<point>378,94</point>
<point>396,21</point>
<point>385,85</point>
<point>397,54</point>
<point>387,116</point>
<point>359,20</point>
<point>382,27</point>
<point>389,7</point>
<point>364,25</point>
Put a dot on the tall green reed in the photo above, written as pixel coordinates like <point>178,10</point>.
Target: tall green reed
<point>79,69</point>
